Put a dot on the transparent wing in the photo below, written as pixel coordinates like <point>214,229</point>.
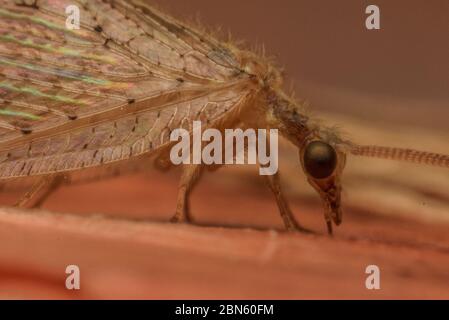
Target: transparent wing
<point>107,91</point>
<point>126,133</point>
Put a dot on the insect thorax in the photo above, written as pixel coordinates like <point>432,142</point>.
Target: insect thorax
<point>279,111</point>
<point>286,116</point>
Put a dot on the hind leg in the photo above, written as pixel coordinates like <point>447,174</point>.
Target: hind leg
<point>40,191</point>
<point>189,178</point>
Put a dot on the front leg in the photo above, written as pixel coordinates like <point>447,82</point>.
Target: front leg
<point>273,182</point>
<point>190,176</point>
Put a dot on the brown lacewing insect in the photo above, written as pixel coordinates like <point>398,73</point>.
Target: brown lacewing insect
<point>113,91</point>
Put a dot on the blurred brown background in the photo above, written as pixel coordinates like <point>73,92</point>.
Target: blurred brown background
<point>384,87</point>
<point>336,63</point>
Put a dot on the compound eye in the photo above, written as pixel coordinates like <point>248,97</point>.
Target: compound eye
<point>320,159</point>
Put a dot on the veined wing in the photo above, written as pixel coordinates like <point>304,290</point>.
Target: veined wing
<point>71,99</point>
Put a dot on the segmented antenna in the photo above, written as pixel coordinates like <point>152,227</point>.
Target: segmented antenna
<point>410,155</point>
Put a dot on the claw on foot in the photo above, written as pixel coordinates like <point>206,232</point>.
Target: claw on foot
<point>175,219</point>
<point>179,218</point>
<point>298,228</point>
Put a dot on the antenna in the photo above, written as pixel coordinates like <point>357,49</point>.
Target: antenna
<point>410,155</point>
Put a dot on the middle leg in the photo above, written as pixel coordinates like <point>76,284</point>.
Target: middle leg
<point>189,178</point>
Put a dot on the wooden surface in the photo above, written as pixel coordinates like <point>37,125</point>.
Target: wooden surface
<point>124,259</point>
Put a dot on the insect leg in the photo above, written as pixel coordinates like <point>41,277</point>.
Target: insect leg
<point>49,183</point>
<point>190,176</point>
<point>273,182</point>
